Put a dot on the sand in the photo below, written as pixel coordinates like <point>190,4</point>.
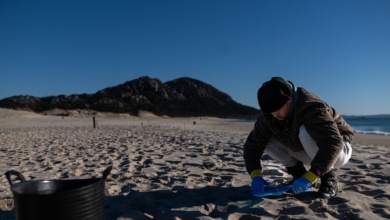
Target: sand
<point>179,168</point>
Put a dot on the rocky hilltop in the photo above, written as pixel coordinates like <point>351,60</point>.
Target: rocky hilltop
<point>180,97</point>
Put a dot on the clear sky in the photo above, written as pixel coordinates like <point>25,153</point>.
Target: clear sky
<point>338,49</point>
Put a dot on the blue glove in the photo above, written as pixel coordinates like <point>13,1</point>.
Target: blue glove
<point>301,185</point>
<point>257,185</point>
<point>304,183</point>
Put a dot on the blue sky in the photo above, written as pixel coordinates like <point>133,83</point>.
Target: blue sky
<point>340,50</point>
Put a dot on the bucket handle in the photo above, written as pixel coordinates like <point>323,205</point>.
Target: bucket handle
<point>107,172</point>
<point>8,174</point>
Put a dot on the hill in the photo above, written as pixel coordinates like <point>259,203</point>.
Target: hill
<point>180,97</point>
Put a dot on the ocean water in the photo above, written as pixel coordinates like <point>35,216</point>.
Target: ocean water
<point>371,124</point>
<point>374,124</point>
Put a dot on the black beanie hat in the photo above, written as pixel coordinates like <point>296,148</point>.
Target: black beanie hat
<point>273,94</point>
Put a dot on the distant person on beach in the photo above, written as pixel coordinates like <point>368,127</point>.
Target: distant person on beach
<point>297,128</point>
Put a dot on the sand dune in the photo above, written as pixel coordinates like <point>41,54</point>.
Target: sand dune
<point>179,168</point>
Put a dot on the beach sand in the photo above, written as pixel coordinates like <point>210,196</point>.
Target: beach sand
<point>179,168</point>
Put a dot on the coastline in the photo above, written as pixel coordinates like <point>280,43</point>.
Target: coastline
<point>371,139</point>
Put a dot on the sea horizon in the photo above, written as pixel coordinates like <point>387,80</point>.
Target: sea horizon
<point>363,124</point>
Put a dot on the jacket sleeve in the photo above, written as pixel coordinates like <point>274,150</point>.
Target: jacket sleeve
<point>254,147</point>
<point>321,126</point>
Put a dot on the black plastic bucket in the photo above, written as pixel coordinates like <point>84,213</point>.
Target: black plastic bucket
<point>75,199</point>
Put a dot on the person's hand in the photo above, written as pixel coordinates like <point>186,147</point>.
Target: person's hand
<point>257,185</point>
<point>257,182</point>
<point>301,185</point>
<point>304,183</point>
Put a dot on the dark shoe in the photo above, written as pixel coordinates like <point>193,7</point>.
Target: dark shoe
<point>328,187</point>
<point>297,171</point>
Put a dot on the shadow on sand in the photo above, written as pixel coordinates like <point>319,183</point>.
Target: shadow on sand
<point>182,203</point>
<point>210,202</point>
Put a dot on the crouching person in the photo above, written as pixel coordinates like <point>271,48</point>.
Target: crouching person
<point>297,128</point>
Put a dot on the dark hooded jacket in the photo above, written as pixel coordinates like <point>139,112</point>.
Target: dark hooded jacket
<point>322,122</point>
